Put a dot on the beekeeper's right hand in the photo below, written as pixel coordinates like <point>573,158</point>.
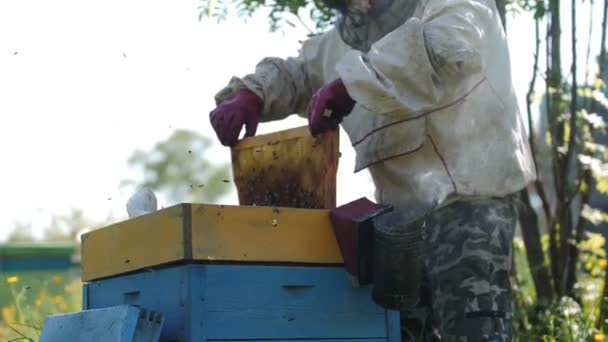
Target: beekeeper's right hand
<point>243,108</point>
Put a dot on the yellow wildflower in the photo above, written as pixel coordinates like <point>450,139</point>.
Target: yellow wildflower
<point>57,280</point>
<point>603,263</point>
<point>42,295</point>
<point>8,313</point>
<point>58,300</point>
<point>599,338</point>
<point>38,303</point>
<point>12,280</point>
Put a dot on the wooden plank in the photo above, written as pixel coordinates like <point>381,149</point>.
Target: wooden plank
<point>272,138</point>
<point>288,169</point>
<point>168,291</point>
<point>204,233</point>
<point>34,264</point>
<point>263,234</point>
<point>138,243</point>
<point>119,323</point>
<point>258,302</point>
<point>249,302</point>
<point>36,250</point>
<point>393,324</point>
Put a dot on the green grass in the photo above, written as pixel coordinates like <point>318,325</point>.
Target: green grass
<point>27,298</point>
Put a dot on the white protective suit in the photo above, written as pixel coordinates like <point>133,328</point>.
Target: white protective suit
<point>436,115</point>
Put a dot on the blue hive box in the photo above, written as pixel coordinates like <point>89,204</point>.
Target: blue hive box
<point>250,302</point>
<point>220,273</point>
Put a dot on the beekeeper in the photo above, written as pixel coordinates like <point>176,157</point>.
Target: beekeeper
<point>423,89</point>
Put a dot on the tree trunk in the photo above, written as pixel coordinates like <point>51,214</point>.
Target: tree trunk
<point>531,234</point>
<point>554,111</point>
<point>502,10</point>
<point>571,163</point>
<point>589,101</point>
<point>529,219</point>
<point>603,47</point>
<point>578,237</point>
<point>602,63</point>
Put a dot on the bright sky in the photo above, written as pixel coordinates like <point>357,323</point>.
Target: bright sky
<point>83,83</point>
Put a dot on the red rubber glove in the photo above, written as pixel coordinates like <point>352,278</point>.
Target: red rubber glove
<point>328,107</point>
<point>242,108</point>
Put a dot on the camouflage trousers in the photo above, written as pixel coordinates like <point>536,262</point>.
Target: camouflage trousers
<point>466,291</point>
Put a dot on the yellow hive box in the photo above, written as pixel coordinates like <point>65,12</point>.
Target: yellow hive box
<point>210,233</point>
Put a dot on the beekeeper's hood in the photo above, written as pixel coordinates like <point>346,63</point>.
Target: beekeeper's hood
<point>363,22</point>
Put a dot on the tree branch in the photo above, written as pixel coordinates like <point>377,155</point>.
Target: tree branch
<point>588,56</point>
<point>310,31</point>
<point>567,248</point>
<point>571,154</point>
<point>540,188</point>
<point>502,9</point>
<point>531,235</point>
<point>579,235</point>
<point>529,218</point>
<point>602,60</point>
<point>553,86</point>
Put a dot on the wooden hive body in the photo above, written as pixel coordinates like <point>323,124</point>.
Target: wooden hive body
<point>233,273</point>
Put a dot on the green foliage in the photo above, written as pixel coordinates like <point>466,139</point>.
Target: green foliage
<point>593,255</point>
<point>59,228</point>
<point>280,12</point>
<point>22,232</point>
<point>64,228</point>
<point>179,167</point>
<point>32,297</point>
<point>538,7</point>
<point>593,215</point>
<point>562,319</point>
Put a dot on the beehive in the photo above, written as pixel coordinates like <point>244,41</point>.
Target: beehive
<point>233,273</point>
